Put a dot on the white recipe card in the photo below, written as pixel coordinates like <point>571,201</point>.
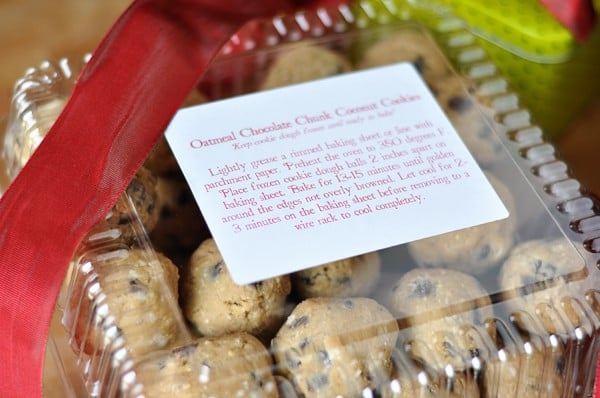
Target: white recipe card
<point>299,176</point>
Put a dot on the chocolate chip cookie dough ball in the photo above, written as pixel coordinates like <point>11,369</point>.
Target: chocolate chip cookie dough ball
<point>473,250</point>
<point>533,280</point>
<point>335,346</point>
<point>350,277</point>
<point>442,307</point>
<point>143,195</point>
<point>528,374</point>
<point>216,305</point>
<point>181,227</point>
<point>161,161</point>
<point>407,46</point>
<point>305,63</point>
<point>474,124</point>
<point>234,365</point>
<point>130,295</point>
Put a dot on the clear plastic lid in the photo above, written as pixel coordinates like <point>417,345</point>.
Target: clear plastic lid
<point>505,308</point>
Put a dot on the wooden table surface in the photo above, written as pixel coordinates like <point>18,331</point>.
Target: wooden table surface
<point>35,30</point>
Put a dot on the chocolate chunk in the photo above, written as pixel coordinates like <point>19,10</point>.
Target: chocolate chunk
<point>317,382</point>
<point>291,361</point>
<point>165,212</point>
<point>459,103</point>
<point>484,252</point>
<point>135,286</point>
<point>186,349</point>
<point>216,269</point>
<point>298,322</point>
<point>303,344</point>
<point>324,357</point>
<point>419,64</point>
<point>423,288</point>
<point>308,281</point>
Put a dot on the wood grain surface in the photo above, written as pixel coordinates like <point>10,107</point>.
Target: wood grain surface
<point>35,30</point>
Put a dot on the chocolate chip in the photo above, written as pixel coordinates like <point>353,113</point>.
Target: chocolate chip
<point>459,103</point>
<point>303,344</point>
<point>538,266</point>
<point>484,252</point>
<point>419,64</point>
<point>317,382</point>
<point>292,362</point>
<point>166,212</point>
<point>423,288</point>
<point>183,198</point>
<point>308,281</point>
<point>485,132</point>
<point>544,271</point>
<point>551,270</point>
<point>298,322</point>
<point>450,349</point>
<point>324,357</point>
<point>348,303</point>
<point>258,284</point>
<point>135,287</point>
<point>258,380</point>
<point>216,270</point>
<point>185,350</point>
<point>475,353</point>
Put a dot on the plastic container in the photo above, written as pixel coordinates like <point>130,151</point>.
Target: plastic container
<point>120,330</point>
<point>541,60</point>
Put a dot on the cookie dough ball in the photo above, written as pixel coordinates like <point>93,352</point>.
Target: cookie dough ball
<point>234,365</point>
<point>142,193</point>
<point>335,346</point>
<point>474,250</point>
<point>161,161</point>
<point>130,295</point>
<point>528,374</point>
<point>475,124</point>
<point>533,280</point>
<point>305,63</point>
<point>216,305</point>
<point>407,46</point>
<point>181,227</point>
<point>354,276</point>
<point>442,308</point>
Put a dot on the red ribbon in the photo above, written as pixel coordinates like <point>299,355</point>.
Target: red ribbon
<point>577,16</point>
<point>597,381</point>
<point>126,95</point>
